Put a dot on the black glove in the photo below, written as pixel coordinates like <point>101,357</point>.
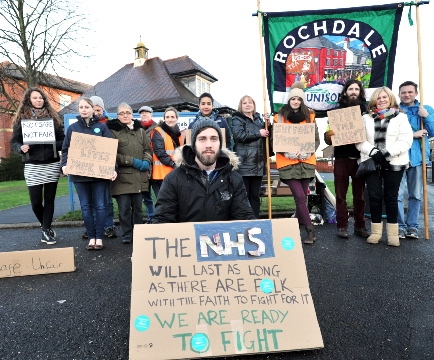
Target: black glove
<point>379,158</point>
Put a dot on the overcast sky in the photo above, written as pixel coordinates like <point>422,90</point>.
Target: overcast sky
<point>223,37</point>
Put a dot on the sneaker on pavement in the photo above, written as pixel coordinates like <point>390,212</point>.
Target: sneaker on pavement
<point>412,233</point>
<point>110,233</point>
<point>85,236</point>
<point>401,233</point>
<point>52,233</point>
<point>343,233</point>
<point>363,232</point>
<point>47,238</point>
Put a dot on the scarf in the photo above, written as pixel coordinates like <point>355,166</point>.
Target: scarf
<point>32,113</point>
<point>295,117</point>
<point>147,123</point>
<point>386,113</point>
<point>173,132</point>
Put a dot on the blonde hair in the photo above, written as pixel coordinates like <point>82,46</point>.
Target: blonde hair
<point>241,102</point>
<point>373,99</point>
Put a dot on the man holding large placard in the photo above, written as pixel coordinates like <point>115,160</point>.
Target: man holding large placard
<point>346,162</point>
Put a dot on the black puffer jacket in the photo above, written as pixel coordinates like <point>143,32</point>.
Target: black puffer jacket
<point>183,197</point>
<point>248,144</point>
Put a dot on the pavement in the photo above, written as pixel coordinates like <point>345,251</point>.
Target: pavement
<point>372,301</point>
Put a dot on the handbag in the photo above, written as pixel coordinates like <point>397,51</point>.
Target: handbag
<point>366,168</point>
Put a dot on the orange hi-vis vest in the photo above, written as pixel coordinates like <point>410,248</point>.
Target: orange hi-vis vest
<point>159,170</point>
<point>282,161</point>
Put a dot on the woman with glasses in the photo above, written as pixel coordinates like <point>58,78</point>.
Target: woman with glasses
<point>134,162</point>
<point>91,191</point>
<point>165,139</point>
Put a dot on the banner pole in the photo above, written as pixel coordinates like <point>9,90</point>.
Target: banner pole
<point>419,55</point>
<point>264,96</point>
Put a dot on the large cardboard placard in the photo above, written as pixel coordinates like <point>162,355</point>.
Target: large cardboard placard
<point>188,137</point>
<point>220,289</point>
<point>90,155</point>
<point>39,131</point>
<point>294,137</point>
<point>347,125</point>
<point>36,262</point>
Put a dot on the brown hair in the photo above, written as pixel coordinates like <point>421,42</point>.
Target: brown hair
<point>241,102</point>
<point>25,106</point>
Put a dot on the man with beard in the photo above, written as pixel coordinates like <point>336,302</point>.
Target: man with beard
<point>204,185</point>
<point>346,164</point>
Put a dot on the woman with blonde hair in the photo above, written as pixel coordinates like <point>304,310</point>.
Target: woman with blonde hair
<point>388,139</point>
<point>41,161</point>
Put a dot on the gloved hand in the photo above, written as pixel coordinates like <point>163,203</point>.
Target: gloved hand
<point>379,158</point>
<point>304,156</point>
<point>292,156</point>
<point>141,165</point>
<point>328,137</point>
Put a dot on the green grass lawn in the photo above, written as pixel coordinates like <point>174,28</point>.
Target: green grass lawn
<point>14,193</point>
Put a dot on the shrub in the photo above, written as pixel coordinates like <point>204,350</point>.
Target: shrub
<point>11,168</point>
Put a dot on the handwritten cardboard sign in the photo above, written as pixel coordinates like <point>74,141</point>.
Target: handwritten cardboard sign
<point>39,131</point>
<point>347,125</point>
<point>220,289</point>
<point>93,156</point>
<point>188,137</point>
<point>36,262</point>
<point>294,137</point>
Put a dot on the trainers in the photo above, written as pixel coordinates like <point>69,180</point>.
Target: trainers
<point>110,232</point>
<point>412,233</point>
<point>85,236</point>
<point>343,233</point>
<point>52,233</point>
<point>363,232</point>
<point>47,238</point>
<point>401,233</point>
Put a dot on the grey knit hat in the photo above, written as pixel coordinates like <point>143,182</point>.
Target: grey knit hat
<point>146,108</point>
<point>97,101</point>
<point>202,124</point>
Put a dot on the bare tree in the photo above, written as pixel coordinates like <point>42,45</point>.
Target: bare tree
<point>36,37</point>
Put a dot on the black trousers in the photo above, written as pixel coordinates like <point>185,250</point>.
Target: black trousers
<point>42,199</point>
<point>253,189</point>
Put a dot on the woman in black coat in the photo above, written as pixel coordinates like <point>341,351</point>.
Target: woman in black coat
<point>249,135</point>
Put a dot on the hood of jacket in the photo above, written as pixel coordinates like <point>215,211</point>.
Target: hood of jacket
<point>116,125</point>
<point>184,155</point>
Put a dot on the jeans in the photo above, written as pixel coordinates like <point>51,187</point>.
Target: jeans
<point>156,185</point>
<point>109,216</point>
<point>130,213</point>
<point>386,183</point>
<point>299,189</point>
<point>42,199</point>
<point>149,204</point>
<point>93,206</point>
<point>412,182</point>
<point>253,188</point>
<point>345,168</point>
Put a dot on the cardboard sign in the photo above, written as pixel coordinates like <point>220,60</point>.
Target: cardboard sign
<point>294,137</point>
<point>93,156</point>
<point>36,262</point>
<point>39,131</point>
<point>220,289</point>
<point>188,137</point>
<point>347,125</point>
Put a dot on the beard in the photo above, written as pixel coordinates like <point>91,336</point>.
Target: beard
<point>207,159</point>
<point>353,101</point>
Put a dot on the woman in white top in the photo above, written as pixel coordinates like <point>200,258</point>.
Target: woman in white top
<point>388,138</point>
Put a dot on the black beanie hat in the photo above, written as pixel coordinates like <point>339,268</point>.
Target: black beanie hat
<point>202,124</point>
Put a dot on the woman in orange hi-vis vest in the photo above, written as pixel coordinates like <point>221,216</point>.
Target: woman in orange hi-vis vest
<point>165,139</point>
<point>298,169</point>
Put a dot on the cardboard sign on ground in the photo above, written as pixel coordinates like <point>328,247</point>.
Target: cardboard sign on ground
<point>188,137</point>
<point>348,126</point>
<point>39,131</point>
<point>93,156</point>
<point>294,137</point>
<point>220,289</point>
<point>36,262</point>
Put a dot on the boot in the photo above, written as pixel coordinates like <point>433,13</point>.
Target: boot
<point>376,233</point>
<point>392,234</point>
<point>310,235</point>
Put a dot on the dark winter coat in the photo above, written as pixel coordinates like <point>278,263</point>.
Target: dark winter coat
<point>183,197</point>
<point>38,153</point>
<point>95,128</point>
<point>131,144</point>
<point>249,145</point>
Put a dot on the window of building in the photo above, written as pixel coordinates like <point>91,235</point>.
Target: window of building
<point>327,62</point>
<point>202,86</point>
<point>64,100</point>
<point>335,62</point>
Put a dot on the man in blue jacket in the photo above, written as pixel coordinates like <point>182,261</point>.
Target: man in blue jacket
<point>412,178</point>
